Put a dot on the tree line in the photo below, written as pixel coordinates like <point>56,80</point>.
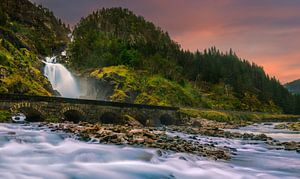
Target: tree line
<point>116,36</point>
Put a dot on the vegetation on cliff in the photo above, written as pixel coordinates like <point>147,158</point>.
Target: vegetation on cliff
<point>35,27</point>
<point>142,62</point>
<point>116,36</point>
<point>139,87</point>
<point>237,117</point>
<point>294,86</point>
<point>27,32</point>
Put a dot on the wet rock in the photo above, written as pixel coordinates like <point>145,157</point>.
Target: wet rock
<point>291,145</point>
<point>261,137</point>
<point>141,137</point>
<point>196,123</point>
<point>11,133</point>
<point>280,126</point>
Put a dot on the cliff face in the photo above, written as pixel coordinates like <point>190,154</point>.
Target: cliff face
<point>27,33</point>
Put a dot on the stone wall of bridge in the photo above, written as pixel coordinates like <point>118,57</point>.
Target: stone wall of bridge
<point>38,108</point>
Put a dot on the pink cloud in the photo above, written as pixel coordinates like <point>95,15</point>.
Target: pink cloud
<point>263,31</point>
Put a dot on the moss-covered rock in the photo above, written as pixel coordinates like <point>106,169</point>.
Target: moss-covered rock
<point>28,33</point>
<point>17,73</point>
<point>294,126</point>
<point>140,87</point>
<point>4,116</point>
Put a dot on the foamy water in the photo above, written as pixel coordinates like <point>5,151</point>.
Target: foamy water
<point>34,152</point>
<point>61,78</point>
<point>268,129</point>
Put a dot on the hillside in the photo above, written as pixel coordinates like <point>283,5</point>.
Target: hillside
<point>293,87</point>
<point>27,33</point>
<point>132,60</point>
<point>112,37</point>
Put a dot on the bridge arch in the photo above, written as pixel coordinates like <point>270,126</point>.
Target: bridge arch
<point>32,112</point>
<point>73,114</point>
<point>111,117</point>
<point>167,119</point>
<point>142,119</point>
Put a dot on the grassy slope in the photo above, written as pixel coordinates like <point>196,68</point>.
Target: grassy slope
<point>157,90</point>
<point>4,116</point>
<point>17,72</point>
<point>27,32</point>
<point>237,117</point>
<point>149,89</point>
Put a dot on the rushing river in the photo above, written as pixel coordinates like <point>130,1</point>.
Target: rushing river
<point>29,151</point>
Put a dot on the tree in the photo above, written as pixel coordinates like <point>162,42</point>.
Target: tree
<point>3,17</point>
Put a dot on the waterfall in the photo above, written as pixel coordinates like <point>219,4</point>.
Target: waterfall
<point>61,78</point>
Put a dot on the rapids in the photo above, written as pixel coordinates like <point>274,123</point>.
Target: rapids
<point>30,151</point>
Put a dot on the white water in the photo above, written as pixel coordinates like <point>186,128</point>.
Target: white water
<point>61,79</point>
<point>34,152</point>
<point>278,134</point>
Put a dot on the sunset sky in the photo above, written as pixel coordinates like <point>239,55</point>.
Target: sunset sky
<point>266,32</point>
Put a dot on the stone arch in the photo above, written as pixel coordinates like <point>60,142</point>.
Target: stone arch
<point>73,114</point>
<point>33,112</point>
<point>142,119</point>
<point>111,117</point>
<point>167,119</point>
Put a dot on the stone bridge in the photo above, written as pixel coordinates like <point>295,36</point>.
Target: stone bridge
<point>40,108</point>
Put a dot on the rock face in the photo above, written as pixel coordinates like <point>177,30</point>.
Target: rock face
<point>99,89</point>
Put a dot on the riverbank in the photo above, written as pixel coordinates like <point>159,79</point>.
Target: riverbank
<point>234,119</point>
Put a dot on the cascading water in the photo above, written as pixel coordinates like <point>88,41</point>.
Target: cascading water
<point>61,79</point>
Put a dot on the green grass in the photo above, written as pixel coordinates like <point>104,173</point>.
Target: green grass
<point>52,119</point>
<point>158,90</point>
<point>151,89</point>
<point>18,73</point>
<point>236,117</point>
<point>4,116</point>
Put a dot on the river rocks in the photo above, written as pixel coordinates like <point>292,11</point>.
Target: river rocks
<point>291,145</point>
<point>261,137</point>
<point>11,133</point>
<point>129,120</point>
<point>196,123</point>
<point>216,132</point>
<point>294,126</point>
<point>280,126</point>
<point>140,137</point>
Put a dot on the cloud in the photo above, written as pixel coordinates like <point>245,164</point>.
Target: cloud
<point>263,31</point>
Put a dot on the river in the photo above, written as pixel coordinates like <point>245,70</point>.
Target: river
<point>30,151</point>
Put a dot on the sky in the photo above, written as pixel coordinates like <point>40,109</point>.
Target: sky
<point>266,32</point>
